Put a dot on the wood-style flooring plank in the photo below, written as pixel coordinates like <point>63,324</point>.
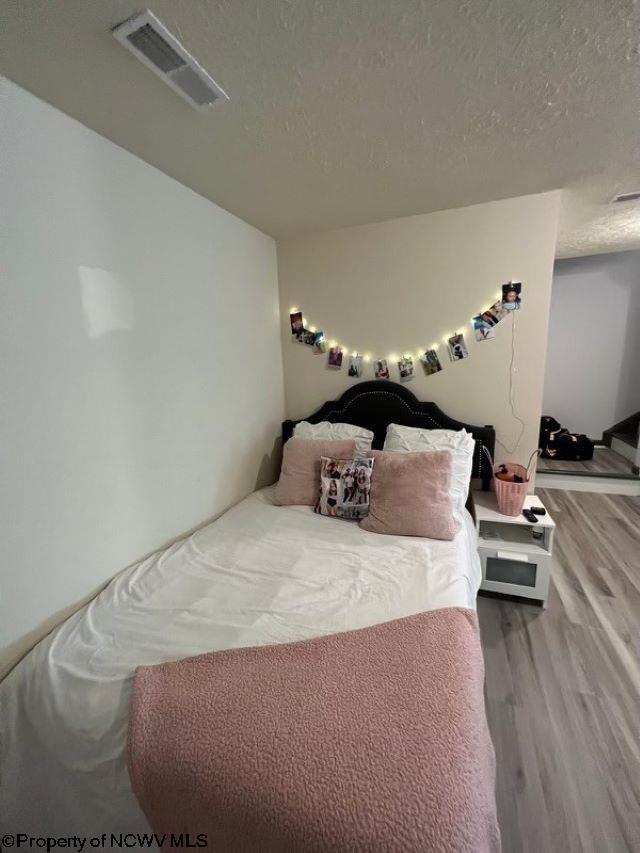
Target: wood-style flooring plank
<point>563,687</point>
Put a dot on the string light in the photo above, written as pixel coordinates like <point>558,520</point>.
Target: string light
<point>333,344</point>
<point>393,357</point>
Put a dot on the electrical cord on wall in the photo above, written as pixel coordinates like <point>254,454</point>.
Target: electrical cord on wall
<point>512,369</point>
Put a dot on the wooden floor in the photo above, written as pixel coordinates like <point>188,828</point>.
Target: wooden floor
<point>605,461</point>
<point>563,687</point>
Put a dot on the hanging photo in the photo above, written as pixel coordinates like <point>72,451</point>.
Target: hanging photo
<point>431,362</point>
<point>304,336</point>
<point>319,343</point>
<point>512,295</point>
<point>296,322</point>
<point>457,348</point>
<point>355,366</point>
<point>493,315</point>
<point>482,329</point>
<point>335,358</point>
<point>406,368</point>
<point>380,369</point>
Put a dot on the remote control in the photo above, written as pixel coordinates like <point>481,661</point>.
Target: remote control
<point>538,510</point>
<point>530,516</point>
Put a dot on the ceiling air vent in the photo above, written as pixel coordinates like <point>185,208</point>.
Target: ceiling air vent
<point>627,196</point>
<point>153,44</point>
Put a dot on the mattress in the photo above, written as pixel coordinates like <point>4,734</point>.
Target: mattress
<point>260,574</point>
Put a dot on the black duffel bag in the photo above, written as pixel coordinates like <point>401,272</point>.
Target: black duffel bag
<point>558,443</point>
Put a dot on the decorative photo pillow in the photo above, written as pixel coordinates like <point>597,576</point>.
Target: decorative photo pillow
<point>345,486</point>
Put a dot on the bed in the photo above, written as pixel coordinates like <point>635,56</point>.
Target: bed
<point>259,575</point>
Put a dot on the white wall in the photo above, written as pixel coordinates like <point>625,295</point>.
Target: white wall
<point>593,361</point>
<point>141,374</point>
<point>400,285</point>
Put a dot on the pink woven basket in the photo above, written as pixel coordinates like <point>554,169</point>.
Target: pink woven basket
<point>511,496</point>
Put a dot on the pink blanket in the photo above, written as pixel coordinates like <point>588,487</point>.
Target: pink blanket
<point>371,740</point>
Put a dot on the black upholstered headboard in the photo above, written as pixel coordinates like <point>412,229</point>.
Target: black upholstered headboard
<point>374,405</point>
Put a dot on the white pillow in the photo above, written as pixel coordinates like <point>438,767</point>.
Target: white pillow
<point>401,439</point>
<point>325,431</point>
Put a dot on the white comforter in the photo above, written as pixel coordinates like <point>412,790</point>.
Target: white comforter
<point>260,574</point>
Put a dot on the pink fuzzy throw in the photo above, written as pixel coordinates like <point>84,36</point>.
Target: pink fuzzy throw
<point>370,740</point>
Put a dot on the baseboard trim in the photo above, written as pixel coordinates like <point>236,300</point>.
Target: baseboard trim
<point>596,475</point>
<point>601,485</point>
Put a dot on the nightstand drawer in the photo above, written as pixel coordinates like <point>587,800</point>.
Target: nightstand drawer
<point>515,555</point>
<point>515,573</point>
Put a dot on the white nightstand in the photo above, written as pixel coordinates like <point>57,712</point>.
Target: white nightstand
<point>514,561</point>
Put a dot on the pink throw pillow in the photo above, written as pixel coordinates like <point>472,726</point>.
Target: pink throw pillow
<point>410,495</point>
<point>299,482</point>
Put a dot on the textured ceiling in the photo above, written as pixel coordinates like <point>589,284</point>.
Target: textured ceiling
<point>346,112</point>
